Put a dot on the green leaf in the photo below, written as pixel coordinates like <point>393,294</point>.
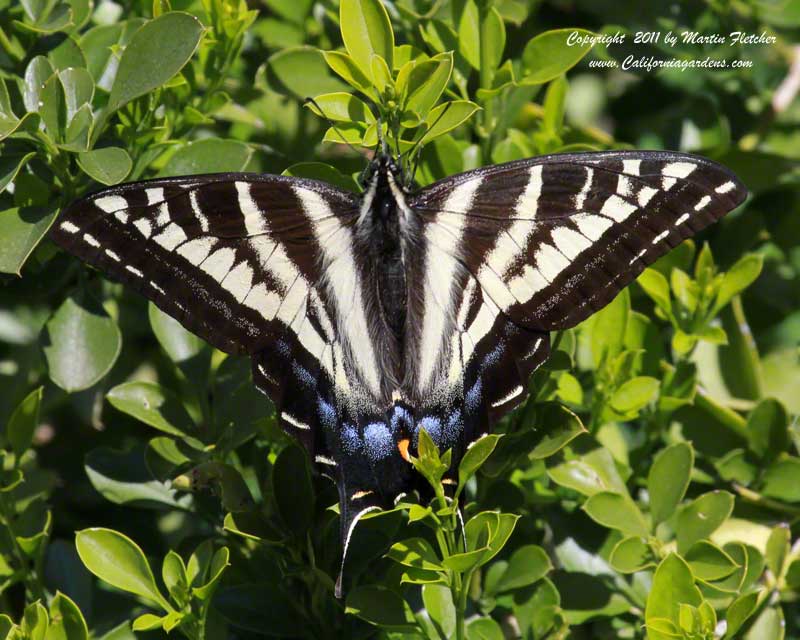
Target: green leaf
<point>23,422</point>
<point>631,554</point>
<point>53,108</point>
<point>156,52</point>
<point>81,344</point>
<point>294,494</point>
<point>381,75</point>
<point>147,622</point>
<point>34,622</point>
<point>559,426</point>
<point>109,165</point>
<point>173,573</point>
<point>701,517</point>
<point>593,473</point>
<point>37,73</point>
<point>117,560</point>
<point>122,477</point>
<point>778,549</point>
<point>782,479</point>
<point>219,562</point>
<point>549,55</point>
<point>302,72</point>
<point>415,552</point>
<point>341,107</point>
<point>324,172</point>
<point>22,228</point>
<point>152,404</point>
<point>10,166</point>
<point>346,68</point>
<point>709,562</point>
<point>78,89</point>
<point>634,394</point>
<point>767,428</point>
<point>616,512</point>
<point>608,328</point>
<point>467,21</point>
<point>380,606</point>
<point>438,601</point>
<point>66,620</point>
<point>446,117</point>
<point>526,565</point>
<point>668,480</point>
<point>769,625</point>
<point>366,31</point>
<point>489,529</point>
<point>740,276</point>
<point>477,453</point>
<point>739,612</point>
<point>484,629</point>
<point>181,345</point>
<point>673,585</point>
<point>656,286</point>
<point>426,83</point>
<point>210,155</point>
<point>493,39</point>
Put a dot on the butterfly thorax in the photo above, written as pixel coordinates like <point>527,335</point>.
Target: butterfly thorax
<point>384,237</point>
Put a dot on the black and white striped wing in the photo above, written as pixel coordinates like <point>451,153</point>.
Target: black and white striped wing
<point>516,250</point>
<point>236,258</point>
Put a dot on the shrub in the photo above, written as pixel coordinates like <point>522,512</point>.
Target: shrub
<point>649,487</point>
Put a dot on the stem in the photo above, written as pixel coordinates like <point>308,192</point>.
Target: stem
<point>33,586</point>
<point>486,78</point>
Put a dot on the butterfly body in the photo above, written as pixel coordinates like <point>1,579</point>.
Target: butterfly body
<point>370,316</point>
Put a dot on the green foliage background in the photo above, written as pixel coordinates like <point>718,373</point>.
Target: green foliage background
<point>649,488</point>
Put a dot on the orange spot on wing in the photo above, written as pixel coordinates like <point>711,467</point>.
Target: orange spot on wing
<point>402,446</point>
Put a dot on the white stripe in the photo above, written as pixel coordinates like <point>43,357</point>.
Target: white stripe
<point>702,203</point>
<point>254,219</point>
<point>624,186</point>
<point>322,315</point>
<point>550,262</point>
<point>171,237</point>
<point>157,288</point>
<point>91,240</point>
<point>133,270</point>
<point>592,226</point>
<point>324,460</point>
<point>569,242</point>
<point>112,255</point>
<point>197,250</point>
<point>509,396</point>
<point>197,211</point>
<point>660,237</point>
<point>273,258</point>
<point>535,348</point>
<point>495,288</point>
<point>154,195</point>
<point>631,167</point>
<point>682,219</point>
<point>581,197</point>
<point>263,301</point>
<point>616,208</point>
<point>163,219</point>
<point>724,188</point>
<point>369,196</point>
<point>525,286</point>
<point>143,227</point>
<point>219,263</point>
<point>69,227</point>
<point>528,202</point>
<point>343,283</point>
<point>293,301</point>
<point>239,281</point>
<point>294,421</point>
<point>678,169</point>
<point>668,183</point>
<point>645,195</point>
<point>310,339</point>
<point>637,256</point>
<point>442,242</point>
<point>122,216</point>
<point>484,321</point>
<point>263,371</point>
<point>111,203</point>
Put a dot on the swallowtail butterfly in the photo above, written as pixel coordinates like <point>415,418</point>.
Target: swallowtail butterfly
<point>368,316</point>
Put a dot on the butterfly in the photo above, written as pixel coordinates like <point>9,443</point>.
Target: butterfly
<point>371,316</point>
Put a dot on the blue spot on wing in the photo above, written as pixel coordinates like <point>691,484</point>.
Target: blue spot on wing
<point>302,374</point>
<point>432,425</point>
<point>472,399</point>
<point>378,440</point>
<point>327,414</point>
<point>351,441</point>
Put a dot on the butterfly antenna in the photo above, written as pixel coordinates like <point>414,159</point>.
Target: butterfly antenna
<point>331,123</point>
